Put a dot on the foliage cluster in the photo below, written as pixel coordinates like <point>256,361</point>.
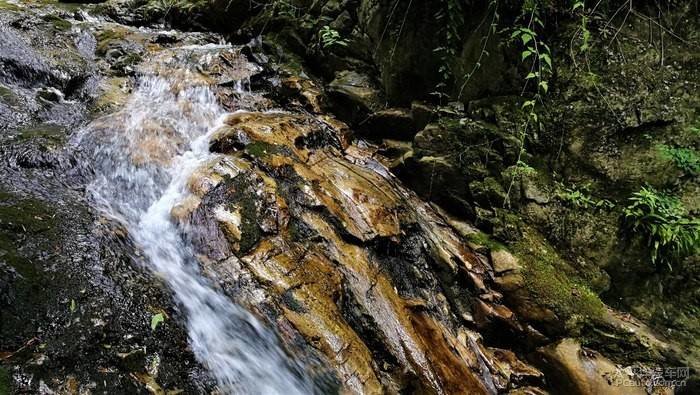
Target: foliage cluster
<point>331,38</point>
<point>663,223</point>
<point>686,159</point>
<point>163,7</point>
<point>581,198</point>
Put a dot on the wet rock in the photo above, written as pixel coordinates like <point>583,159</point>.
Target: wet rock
<point>50,94</point>
<point>120,47</point>
<point>394,153</point>
<point>437,179</point>
<point>36,77</point>
<point>579,371</point>
<point>20,61</point>
<point>261,133</point>
<point>488,193</point>
<point>354,94</point>
<point>378,329</point>
<point>74,296</point>
<point>503,261</point>
<point>510,282</point>
<point>309,95</point>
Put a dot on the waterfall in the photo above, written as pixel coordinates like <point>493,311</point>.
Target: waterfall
<point>142,157</point>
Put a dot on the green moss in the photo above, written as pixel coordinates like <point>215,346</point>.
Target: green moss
<point>131,59</point>
<point>7,96</point>
<point>292,302</point>
<point>58,23</point>
<point>106,37</point>
<point>7,6</point>
<point>553,282</point>
<point>250,232</point>
<point>26,225</point>
<point>244,198</point>
<point>18,218</point>
<point>482,239</point>
<point>589,80</point>
<point>261,149</point>
<point>54,134</point>
<point>28,215</point>
<point>5,381</point>
<point>299,231</point>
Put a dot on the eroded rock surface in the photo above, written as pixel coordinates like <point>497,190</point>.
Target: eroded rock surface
<point>374,289</point>
<point>348,257</point>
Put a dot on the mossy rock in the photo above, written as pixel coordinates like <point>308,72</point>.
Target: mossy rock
<point>52,135</point>
<point>25,226</point>
<point>482,239</point>
<point>5,381</point>
<point>544,289</point>
<point>58,23</point>
<point>7,96</point>
<point>553,282</point>
<point>261,150</point>
<point>7,6</point>
<point>107,38</point>
<point>550,282</point>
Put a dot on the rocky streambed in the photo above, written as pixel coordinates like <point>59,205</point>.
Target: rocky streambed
<point>149,172</point>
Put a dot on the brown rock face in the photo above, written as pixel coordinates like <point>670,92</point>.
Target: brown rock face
<point>337,249</point>
<point>578,371</point>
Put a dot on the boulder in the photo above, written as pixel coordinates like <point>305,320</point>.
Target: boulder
<point>503,261</point>
<point>354,95</point>
<point>422,114</point>
<point>575,370</point>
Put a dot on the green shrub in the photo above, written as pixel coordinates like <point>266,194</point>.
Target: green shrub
<point>686,159</point>
<point>331,38</point>
<point>664,224</point>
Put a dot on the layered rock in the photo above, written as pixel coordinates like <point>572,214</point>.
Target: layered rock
<point>348,257</point>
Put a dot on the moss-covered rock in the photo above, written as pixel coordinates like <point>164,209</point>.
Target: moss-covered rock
<point>553,282</point>
<point>5,382</point>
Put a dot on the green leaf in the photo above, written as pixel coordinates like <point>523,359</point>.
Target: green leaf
<point>544,86</point>
<point>155,320</point>
<point>546,59</point>
<point>528,103</point>
<point>526,38</point>
<point>526,54</point>
<point>73,306</point>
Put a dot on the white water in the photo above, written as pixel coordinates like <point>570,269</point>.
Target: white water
<point>139,176</point>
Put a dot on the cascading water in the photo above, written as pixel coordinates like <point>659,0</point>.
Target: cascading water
<point>142,158</point>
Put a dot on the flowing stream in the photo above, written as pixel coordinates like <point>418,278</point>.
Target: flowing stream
<point>142,157</point>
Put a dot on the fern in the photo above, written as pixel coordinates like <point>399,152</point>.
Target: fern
<point>663,223</point>
<point>331,38</point>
